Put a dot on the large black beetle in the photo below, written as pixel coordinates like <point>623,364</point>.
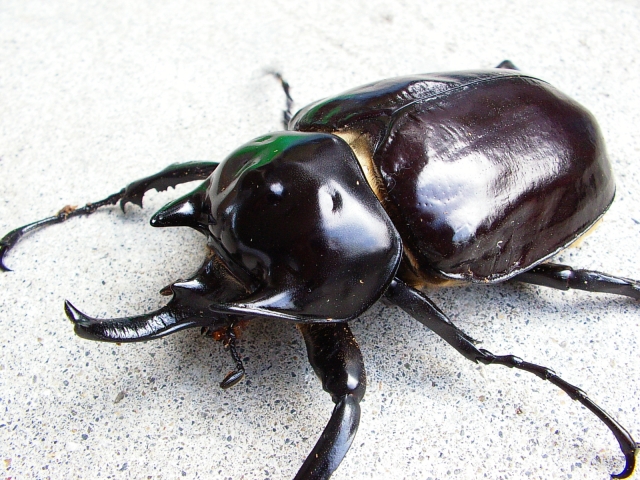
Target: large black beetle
<point>378,193</point>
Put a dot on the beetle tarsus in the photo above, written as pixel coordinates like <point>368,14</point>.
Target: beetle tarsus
<point>286,114</point>
<point>630,463</point>
<point>3,250</point>
<point>426,312</point>
<point>169,177</point>
<point>627,444</point>
<point>564,277</point>
<point>508,64</point>
<point>11,239</point>
<point>336,358</point>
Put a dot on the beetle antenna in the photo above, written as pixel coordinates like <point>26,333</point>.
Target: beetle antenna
<point>286,114</point>
<point>234,376</point>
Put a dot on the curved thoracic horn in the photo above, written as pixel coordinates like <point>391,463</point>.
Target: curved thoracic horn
<point>188,308</point>
<point>164,321</point>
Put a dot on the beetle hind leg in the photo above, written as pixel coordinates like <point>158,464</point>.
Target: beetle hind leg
<point>286,114</point>
<point>336,359</point>
<point>426,312</point>
<point>563,277</point>
<point>508,64</point>
<point>627,444</point>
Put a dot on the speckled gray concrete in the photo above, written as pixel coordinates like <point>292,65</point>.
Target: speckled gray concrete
<point>96,94</point>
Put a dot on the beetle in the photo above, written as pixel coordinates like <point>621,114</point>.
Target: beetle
<point>378,194</point>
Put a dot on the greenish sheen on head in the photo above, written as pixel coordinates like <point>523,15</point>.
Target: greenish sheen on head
<point>263,150</point>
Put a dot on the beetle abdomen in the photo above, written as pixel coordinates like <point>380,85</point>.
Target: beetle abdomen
<point>484,174</point>
<point>491,180</point>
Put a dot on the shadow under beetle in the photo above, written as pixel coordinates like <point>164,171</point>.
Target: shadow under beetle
<point>378,193</point>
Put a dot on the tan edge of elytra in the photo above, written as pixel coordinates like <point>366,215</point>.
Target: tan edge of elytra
<point>362,147</point>
<point>577,243</point>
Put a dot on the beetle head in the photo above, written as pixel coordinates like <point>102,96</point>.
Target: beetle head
<point>293,219</point>
<point>295,233</point>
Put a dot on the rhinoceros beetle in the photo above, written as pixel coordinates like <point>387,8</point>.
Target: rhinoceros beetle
<point>379,193</point>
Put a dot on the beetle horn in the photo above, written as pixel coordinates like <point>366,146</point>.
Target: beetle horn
<point>186,211</point>
<point>187,308</point>
<point>164,321</point>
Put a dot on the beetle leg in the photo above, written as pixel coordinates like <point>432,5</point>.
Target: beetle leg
<point>563,277</point>
<point>169,177</point>
<point>173,175</point>
<point>336,358</point>
<point>426,312</point>
<point>286,114</point>
<point>507,64</point>
<point>10,239</point>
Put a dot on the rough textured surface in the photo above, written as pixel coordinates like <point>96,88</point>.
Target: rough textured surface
<point>94,95</point>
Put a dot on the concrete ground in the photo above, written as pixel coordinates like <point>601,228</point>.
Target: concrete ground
<point>96,94</point>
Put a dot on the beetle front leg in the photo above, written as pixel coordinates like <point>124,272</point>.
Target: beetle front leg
<point>336,358</point>
<point>563,277</point>
<point>169,177</point>
<point>426,312</point>
<point>173,175</point>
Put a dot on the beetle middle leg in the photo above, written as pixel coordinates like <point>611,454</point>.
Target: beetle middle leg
<point>337,360</point>
<point>426,312</point>
<point>563,277</point>
<point>171,176</point>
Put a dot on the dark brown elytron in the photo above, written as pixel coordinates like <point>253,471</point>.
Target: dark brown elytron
<point>378,193</point>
